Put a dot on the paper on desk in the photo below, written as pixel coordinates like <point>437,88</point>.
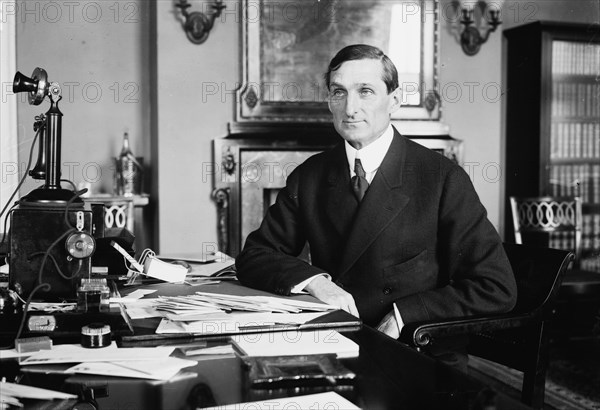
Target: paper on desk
<point>189,316</point>
<point>221,264</point>
<point>225,323</point>
<point>295,303</point>
<point>320,341</point>
<point>112,353</point>
<point>160,369</point>
<point>12,354</point>
<point>198,305</point>
<point>7,401</point>
<point>201,280</point>
<point>29,392</point>
<point>156,268</point>
<point>52,307</point>
<point>197,257</point>
<point>136,307</point>
<point>142,312</point>
<point>213,350</point>
<point>185,305</point>
<point>327,400</point>
<point>195,307</point>
<point>141,308</point>
<point>258,303</point>
<point>133,296</point>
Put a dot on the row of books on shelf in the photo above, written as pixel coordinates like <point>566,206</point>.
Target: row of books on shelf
<point>590,232</point>
<point>576,180</point>
<point>590,242</point>
<point>575,140</point>
<point>590,235</point>
<point>590,263</point>
<point>575,99</point>
<point>577,58</point>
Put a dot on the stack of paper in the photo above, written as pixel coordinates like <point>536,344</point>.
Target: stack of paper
<point>158,369</point>
<point>140,362</point>
<point>195,307</point>
<point>327,400</point>
<point>225,349</point>
<point>211,313</point>
<point>184,306</point>
<point>205,269</point>
<point>77,353</point>
<point>237,322</point>
<point>138,308</point>
<point>205,302</point>
<point>296,343</point>
<point>10,393</point>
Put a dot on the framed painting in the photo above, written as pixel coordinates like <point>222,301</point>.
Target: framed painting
<point>287,45</point>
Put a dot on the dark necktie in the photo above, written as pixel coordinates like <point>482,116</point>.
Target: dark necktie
<point>358,181</point>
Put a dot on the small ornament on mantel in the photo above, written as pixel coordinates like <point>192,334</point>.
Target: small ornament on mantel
<point>128,171</point>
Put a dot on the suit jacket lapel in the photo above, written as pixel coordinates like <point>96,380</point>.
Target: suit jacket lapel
<point>341,204</point>
<point>382,203</point>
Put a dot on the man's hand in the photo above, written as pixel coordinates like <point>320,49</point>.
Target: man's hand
<point>389,325</point>
<point>330,293</point>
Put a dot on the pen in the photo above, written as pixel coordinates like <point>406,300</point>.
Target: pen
<point>270,326</point>
<point>398,318</point>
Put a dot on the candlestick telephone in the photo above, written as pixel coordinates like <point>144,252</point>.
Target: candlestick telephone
<point>51,233</point>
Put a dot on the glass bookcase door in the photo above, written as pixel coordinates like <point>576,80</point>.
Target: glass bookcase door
<point>575,139</point>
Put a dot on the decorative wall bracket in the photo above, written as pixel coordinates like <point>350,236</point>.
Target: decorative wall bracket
<point>197,25</point>
<point>221,197</point>
<point>431,101</point>
<point>228,162</point>
<point>471,38</point>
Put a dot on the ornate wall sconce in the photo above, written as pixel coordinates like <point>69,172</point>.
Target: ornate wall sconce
<point>197,25</point>
<point>471,38</point>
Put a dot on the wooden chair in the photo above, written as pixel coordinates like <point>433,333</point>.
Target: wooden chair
<point>517,339</point>
<point>556,222</point>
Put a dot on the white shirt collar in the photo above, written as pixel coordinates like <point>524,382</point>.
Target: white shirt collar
<point>372,155</point>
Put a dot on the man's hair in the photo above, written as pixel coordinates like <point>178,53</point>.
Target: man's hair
<point>364,52</point>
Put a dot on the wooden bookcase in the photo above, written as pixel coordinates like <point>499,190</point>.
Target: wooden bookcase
<point>553,122</point>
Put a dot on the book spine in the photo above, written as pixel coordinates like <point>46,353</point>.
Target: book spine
<point>595,177</point>
<point>554,140</point>
<point>561,180</point>
<point>586,232</point>
<point>577,143</point>
<point>561,140</point>
<point>585,183</point>
<point>596,234</point>
<point>596,138</point>
<point>554,180</point>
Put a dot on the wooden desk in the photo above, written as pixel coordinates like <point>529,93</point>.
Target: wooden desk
<point>390,375</point>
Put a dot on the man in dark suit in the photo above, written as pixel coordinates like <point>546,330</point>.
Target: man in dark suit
<point>390,224</point>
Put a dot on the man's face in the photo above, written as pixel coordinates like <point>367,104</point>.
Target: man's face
<point>359,101</point>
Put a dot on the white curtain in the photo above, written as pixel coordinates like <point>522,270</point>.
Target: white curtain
<point>9,162</point>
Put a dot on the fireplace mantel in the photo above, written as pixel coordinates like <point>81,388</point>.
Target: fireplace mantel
<point>251,165</point>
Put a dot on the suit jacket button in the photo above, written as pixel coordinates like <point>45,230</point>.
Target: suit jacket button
<point>387,291</point>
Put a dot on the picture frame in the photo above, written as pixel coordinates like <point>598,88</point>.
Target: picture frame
<point>287,45</point>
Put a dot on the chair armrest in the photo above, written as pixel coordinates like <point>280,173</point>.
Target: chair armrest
<point>423,334</point>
